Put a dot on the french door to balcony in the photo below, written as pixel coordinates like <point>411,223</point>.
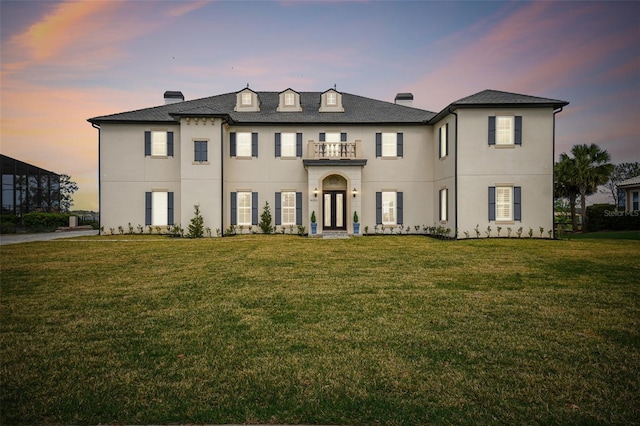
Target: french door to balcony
<point>334,210</point>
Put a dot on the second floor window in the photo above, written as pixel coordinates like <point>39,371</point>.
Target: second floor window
<point>246,98</point>
<point>200,151</point>
<point>331,98</point>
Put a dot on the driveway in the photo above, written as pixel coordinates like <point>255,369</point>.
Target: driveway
<point>45,236</point>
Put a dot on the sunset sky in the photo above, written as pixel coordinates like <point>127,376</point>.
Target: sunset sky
<point>64,62</point>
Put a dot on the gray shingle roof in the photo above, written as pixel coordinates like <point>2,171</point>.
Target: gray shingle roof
<point>493,97</point>
<point>630,182</point>
<point>357,110</point>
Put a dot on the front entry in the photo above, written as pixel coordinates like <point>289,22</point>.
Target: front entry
<point>334,210</point>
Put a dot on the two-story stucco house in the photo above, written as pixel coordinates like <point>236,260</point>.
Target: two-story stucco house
<point>485,160</point>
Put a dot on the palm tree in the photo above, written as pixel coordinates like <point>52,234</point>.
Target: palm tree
<point>588,168</point>
<point>565,186</point>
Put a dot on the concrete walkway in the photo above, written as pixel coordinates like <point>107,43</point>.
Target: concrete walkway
<point>44,236</point>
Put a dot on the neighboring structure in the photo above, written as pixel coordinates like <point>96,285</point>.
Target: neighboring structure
<point>631,188</point>
<point>485,160</point>
<point>27,188</point>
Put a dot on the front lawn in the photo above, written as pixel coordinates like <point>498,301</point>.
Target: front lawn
<point>283,329</point>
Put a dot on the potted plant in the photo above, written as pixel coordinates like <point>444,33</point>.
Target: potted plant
<point>314,225</point>
<point>356,224</point>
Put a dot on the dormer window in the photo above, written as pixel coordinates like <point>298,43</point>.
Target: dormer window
<point>331,101</point>
<point>289,101</point>
<point>247,101</point>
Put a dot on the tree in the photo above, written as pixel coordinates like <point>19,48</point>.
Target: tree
<point>196,227</point>
<point>621,172</point>
<point>265,220</point>
<point>565,186</point>
<point>588,169</point>
<point>67,188</point>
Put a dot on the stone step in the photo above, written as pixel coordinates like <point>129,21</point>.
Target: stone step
<point>335,234</point>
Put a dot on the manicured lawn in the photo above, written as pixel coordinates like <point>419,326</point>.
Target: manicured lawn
<point>280,329</point>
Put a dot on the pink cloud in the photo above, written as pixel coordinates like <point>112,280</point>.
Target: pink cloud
<point>184,8</point>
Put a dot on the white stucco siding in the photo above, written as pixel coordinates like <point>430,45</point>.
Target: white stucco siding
<point>201,182</point>
<point>126,173</point>
<point>528,166</point>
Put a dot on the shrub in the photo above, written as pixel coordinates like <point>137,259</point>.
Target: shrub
<point>196,227</point>
<point>601,217</point>
<point>265,220</point>
<point>35,222</point>
<point>8,223</point>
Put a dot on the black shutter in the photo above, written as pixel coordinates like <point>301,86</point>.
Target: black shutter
<point>278,208</point>
<point>147,143</point>
<point>278,146</point>
<point>147,208</point>
<point>299,145</point>
<point>170,144</point>
<point>517,135</point>
<point>234,208</point>
<point>492,130</point>
<point>379,146</point>
<point>400,145</point>
<point>343,137</point>
<point>170,208</point>
<point>440,205</point>
<point>492,203</point>
<point>517,203</point>
<point>446,140</point>
<point>378,208</point>
<point>254,206</point>
<point>298,208</point>
<point>400,213</point>
<point>232,147</point>
<point>440,142</point>
<point>254,144</point>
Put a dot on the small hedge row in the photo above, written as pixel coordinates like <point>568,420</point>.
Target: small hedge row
<point>37,222</point>
<point>605,217</point>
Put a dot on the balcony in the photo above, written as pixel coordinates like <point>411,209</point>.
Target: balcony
<point>330,153</point>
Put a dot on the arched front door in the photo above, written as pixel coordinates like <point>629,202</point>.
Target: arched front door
<point>334,203</point>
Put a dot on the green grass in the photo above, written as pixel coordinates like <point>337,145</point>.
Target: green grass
<point>255,329</point>
<point>609,235</point>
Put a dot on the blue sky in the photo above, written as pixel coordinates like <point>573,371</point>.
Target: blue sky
<point>63,62</point>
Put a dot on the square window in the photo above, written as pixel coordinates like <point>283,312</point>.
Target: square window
<point>288,208</point>
<point>200,151</point>
<point>389,144</point>
<point>504,130</point>
<point>288,144</point>
<point>244,208</point>
<point>504,203</point>
<point>159,143</point>
<point>243,144</point>
<point>388,208</point>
